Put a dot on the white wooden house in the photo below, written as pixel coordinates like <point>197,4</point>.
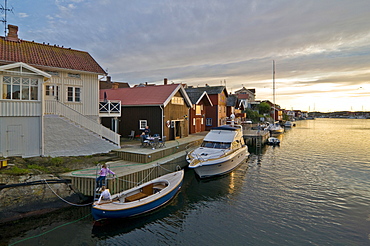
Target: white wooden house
<point>49,104</point>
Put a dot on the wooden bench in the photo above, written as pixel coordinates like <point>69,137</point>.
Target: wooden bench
<point>135,197</point>
<point>145,191</point>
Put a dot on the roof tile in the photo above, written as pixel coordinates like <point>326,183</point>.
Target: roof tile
<point>38,54</point>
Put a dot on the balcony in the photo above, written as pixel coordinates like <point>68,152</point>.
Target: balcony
<point>110,108</point>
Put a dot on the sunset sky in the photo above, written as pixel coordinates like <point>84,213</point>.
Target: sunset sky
<point>321,48</point>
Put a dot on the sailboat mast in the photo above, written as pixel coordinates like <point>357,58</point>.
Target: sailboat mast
<point>273,85</point>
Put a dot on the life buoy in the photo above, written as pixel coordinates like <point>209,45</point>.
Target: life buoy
<point>168,123</point>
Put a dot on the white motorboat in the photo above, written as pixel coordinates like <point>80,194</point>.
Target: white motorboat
<point>275,128</point>
<point>273,141</point>
<point>222,150</point>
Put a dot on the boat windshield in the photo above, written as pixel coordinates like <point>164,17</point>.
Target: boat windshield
<point>215,145</point>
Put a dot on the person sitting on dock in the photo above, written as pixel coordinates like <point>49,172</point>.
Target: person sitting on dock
<point>103,174</point>
<point>105,195</point>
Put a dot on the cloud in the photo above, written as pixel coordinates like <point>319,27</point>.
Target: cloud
<point>23,15</point>
<point>202,41</point>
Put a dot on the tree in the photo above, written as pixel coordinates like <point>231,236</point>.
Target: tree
<point>264,108</point>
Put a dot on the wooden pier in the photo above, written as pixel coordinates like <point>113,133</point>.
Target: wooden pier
<point>137,165</point>
<point>256,138</point>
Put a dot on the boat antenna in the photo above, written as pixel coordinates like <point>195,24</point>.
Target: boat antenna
<point>273,85</point>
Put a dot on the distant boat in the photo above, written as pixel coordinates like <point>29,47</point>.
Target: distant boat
<point>222,150</point>
<point>274,128</point>
<point>288,124</point>
<point>141,199</point>
<point>273,141</point>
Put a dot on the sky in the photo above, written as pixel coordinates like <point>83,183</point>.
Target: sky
<point>321,49</point>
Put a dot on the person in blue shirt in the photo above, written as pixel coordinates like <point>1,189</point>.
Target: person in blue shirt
<point>147,131</point>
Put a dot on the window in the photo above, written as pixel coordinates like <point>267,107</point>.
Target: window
<point>198,109</point>
<point>142,124</point>
<point>209,122</point>
<point>74,75</point>
<point>20,88</point>
<point>177,100</point>
<point>74,94</point>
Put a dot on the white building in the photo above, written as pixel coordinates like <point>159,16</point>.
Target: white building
<point>49,104</point>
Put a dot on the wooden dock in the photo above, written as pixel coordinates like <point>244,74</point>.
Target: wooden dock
<point>137,165</point>
<point>256,138</point>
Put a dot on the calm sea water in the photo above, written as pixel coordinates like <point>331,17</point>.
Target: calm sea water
<point>312,190</point>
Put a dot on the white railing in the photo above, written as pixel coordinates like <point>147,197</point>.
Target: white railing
<point>58,108</point>
<point>110,108</point>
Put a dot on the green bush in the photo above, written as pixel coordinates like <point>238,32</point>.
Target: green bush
<point>56,161</point>
<point>37,167</point>
<point>16,171</point>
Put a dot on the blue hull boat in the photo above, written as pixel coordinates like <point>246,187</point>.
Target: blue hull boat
<point>141,199</point>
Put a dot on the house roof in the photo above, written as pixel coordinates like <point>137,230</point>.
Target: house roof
<point>196,95</point>
<point>157,95</point>
<point>211,90</point>
<point>232,100</point>
<point>44,55</point>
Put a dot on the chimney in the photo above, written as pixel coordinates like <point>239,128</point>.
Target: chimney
<point>109,79</point>
<point>115,86</point>
<point>165,81</point>
<point>12,33</point>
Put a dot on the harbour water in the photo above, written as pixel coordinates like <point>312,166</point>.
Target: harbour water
<point>312,190</point>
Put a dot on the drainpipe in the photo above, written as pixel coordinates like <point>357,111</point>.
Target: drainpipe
<point>42,118</point>
<point>162,121</point>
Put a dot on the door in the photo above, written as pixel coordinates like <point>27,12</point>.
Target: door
<point>198,125</point>
<point>14,138</point>
<point>52,92</point>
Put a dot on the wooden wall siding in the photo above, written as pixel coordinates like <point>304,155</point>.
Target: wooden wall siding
<point>131,116</point>
<point>176,112</point>
<point>89,85</point>
<point>86,185</point>
<point>20,108</point>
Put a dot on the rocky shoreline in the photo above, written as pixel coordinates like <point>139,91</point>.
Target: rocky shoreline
<point>25,201</point>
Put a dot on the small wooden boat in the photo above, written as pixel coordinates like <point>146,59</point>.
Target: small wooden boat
<point>141,199</point>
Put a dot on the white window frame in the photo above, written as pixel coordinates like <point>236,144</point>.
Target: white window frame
<point>142,124</point>
<point>76,94</point>
<point>31,87</point>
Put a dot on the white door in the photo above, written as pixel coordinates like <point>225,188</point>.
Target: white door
<point>14,140</point>
<point>52,92</point>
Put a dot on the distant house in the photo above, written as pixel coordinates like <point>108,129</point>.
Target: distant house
<point>236,106</point>
<point>216,114</point>
<point>278,111</point>
<point>49,103</point>
<point>244,93</point>
<point>164,108</point>
<point>197,116</point>
<point>109,84</point>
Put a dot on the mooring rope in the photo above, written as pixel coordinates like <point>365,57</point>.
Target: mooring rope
<point>50,230</point>
<point>73,204</point>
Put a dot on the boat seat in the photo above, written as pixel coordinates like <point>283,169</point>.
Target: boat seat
<point>135,197</point>
<point>148,189</point>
